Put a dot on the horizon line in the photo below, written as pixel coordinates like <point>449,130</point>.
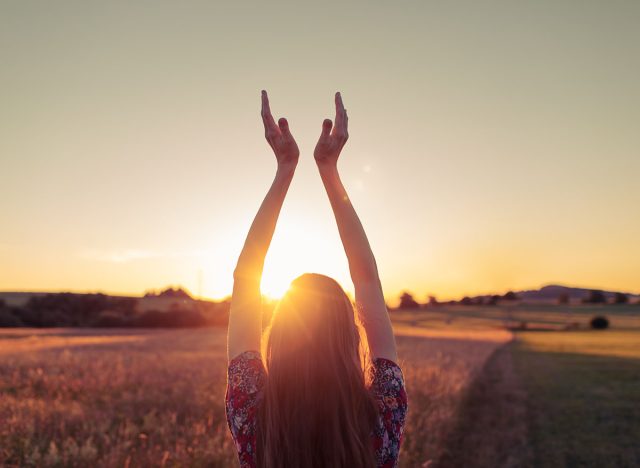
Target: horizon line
<point>228,296</point>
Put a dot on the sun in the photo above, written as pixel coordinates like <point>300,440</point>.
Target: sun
<point>276,283</point>
<point>301,246</point>
<point>290,255</point>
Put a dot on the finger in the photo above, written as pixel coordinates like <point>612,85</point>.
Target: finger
<point>326,127</point>
<point>340,114</point>
<point>339,103</point>
<point>284,126</point>
<point>267,118</point>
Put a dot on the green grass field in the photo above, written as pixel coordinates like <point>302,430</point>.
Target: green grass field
<point>551,398</point>
<point>583,396</point>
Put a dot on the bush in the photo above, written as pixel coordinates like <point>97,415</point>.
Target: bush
<point>175,318</point>
<point>510,296</point>
<point>100,310</point>
<point>34,317</point>
<point>620,298</point>
<point>8,319</point>
<point>110,319</point>
<point>595,297</point>
<point>466,300</point>
<point>599,322</point>
<point>74,310</point>
<point>493,300</point>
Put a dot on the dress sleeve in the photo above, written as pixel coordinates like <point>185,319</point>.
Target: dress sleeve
<point>391,397</point>
<point>245,381</point>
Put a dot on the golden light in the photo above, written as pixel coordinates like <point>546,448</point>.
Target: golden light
<point>275,285</point>
<point>301,246</point>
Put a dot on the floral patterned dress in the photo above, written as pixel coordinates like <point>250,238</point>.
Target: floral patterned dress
<point>246,378</point>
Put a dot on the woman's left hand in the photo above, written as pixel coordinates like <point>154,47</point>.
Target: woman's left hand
<point>279,137</point>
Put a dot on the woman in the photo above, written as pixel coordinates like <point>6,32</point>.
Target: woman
<point>322,393</point>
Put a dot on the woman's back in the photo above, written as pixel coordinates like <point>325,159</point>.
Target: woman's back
<point>247,380</point>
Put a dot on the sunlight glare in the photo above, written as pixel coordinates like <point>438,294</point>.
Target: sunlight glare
<point>300,246</point>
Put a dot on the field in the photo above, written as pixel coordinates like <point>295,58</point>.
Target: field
<point>529,316</point>
<point>105,398</point>
<point>584,397</point>
<point>79,397</point>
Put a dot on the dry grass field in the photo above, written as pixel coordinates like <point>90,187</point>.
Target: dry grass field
<point>155,398</point>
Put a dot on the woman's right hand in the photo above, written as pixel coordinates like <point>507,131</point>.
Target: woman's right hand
<point>279,137</point>
<point>331,141</point>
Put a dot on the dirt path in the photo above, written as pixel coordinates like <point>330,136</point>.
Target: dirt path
<point>439,367</point>
<point>491,428</point>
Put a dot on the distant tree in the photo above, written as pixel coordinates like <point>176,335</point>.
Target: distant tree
<point>100,310</point>
<point>64,309</point>
<point>620,298</point>
<point>177,293</point>
<point>174,318</point>
<point>125,306</point>
<point>9,319</point>
<point>510,296</point>
<point>110,319</point>
<point>493,300</point>
<point>479,300</point>
<point>466,300</point>
<point>595,297</point>
<point>599,322</point>
<point>563,298</point>
<point>407,301</point>
<point>433,301</point>
<point>217,313</point>
<point>73,310</point>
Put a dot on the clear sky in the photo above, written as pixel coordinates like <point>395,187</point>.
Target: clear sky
<point>493,145</point>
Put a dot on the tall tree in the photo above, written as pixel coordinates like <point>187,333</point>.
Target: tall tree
<point>407,301</point>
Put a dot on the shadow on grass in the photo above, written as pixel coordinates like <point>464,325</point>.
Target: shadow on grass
<point>491,427</point>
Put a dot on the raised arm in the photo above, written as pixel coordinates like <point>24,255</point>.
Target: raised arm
<point>362,264</point>
<point>245,316</point>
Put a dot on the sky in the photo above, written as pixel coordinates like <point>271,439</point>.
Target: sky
<point>493,145</point>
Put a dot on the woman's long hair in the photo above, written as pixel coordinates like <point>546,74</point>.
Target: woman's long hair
<point>317,410</point>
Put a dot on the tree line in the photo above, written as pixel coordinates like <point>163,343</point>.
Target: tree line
<point>408,301</point>
<point>101,310</point>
